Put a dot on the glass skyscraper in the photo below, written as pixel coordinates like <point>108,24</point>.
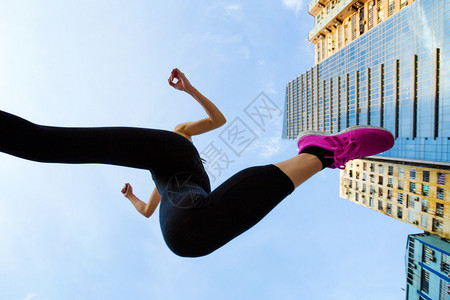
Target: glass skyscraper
<point>386,63</point>
<point>427,267</point>
<point>395,75</point>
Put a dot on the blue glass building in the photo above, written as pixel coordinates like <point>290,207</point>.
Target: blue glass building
<point>428,267</point>
<point>397,75</point>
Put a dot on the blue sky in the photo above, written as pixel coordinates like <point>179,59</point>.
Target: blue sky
<point>66,232</point>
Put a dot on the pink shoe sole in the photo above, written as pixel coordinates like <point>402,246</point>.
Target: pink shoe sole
<point>323,133</point>
<point>351,143</point>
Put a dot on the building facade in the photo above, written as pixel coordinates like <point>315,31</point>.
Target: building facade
<point>386,63</point>
<point>337,23</point>
<point>428,267</point>
<point>416,194</point>
<point>392,71</point>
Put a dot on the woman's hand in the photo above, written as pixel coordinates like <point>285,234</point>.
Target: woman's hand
<point>182,83</point>
<point>127,190</point>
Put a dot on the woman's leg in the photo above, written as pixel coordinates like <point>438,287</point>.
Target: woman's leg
<point>300,168</point>
<point>247,197</point>
<point>150,149</point>
<point>228,211</point>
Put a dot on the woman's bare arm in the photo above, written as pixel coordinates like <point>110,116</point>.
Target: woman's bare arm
<point>153,202</point>
<point>215,115</point>
<point>216,118</point>
<point>146,209</point>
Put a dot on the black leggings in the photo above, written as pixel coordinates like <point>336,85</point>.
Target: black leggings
<point>194,220</point>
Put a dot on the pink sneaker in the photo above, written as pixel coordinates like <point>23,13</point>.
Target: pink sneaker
<point>353,142</point>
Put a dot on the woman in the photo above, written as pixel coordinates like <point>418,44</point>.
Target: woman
<point>195,221</point>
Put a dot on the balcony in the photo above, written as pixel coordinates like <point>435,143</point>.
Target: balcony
<point>340,11</point>
<point>315,6</point>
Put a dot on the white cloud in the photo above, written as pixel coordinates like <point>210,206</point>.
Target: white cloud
<point>270,147</point>
<point>231,8</point>
<point>226,40</point>
<point>227,9</point>
<point>295,5</point>
<point>30,296</point>
<point>269,143</point>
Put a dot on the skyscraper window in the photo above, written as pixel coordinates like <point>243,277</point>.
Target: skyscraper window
<point>441,178</point>
<point>426,176</point>
<point>380,11</point>
<point>353,27</point>
<point>361,21</point>
<point>400,198</point>
<point>424,221</point>
<point>425,190</point>
<point>399,212</point>
<point>390,170</point>
<point>391,7</point>
<point>424,205</point>
<point>439,209</point>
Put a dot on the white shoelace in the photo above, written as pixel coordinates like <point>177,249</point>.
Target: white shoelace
<point>344,150</point>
